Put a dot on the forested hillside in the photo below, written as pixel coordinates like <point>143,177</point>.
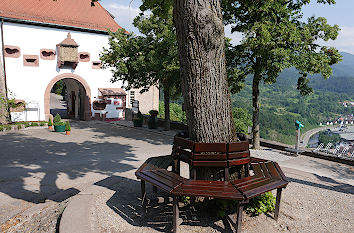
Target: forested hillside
<point>281,103</point>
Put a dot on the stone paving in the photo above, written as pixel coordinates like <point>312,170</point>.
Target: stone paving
<point>39,167</point>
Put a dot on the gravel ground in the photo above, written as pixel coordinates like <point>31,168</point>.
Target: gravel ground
<point>308,205</point>
<point>43,218</point>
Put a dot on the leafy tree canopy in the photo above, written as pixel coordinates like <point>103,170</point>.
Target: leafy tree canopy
<point>276,37</point>
<point>144,61</point>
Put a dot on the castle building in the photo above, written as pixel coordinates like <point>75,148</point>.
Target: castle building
<point>43,42</point>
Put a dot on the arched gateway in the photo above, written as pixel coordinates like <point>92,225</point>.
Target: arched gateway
<point>86,95</point>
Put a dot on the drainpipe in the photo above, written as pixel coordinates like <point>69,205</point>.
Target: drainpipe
<point>3,53</point>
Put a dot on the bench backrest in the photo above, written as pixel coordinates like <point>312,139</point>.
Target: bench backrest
<point>211,154</point>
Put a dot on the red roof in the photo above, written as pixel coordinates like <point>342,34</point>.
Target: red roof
<point>76,13</point>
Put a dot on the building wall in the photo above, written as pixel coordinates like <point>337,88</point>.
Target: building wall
<point>29,83</point>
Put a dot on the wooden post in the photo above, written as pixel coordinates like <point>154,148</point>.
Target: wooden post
<point>227,174</point>
<point>175,214</point>
<point>143,197</point>
<point>239,217</point>
<point>247,170</point>
<point>277,204</point>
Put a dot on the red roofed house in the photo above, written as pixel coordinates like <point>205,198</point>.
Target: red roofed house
<point>45,41</point>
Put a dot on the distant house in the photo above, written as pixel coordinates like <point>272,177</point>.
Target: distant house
<point>47,41</point>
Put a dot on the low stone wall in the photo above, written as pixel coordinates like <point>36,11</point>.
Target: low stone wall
<point>269,144</point>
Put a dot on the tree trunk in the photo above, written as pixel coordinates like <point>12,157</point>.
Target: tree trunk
<point>4,114</point>
<point>166,93</point>
<point>200,37</point>
<point>256,107</point>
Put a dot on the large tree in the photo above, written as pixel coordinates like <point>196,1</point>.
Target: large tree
<point>276,37</point>
<point>148,60</point>
<point>201,45</point>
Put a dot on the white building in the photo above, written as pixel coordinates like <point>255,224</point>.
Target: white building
<point>47,41</point>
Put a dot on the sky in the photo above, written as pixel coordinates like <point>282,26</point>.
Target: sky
<point>342,13</point>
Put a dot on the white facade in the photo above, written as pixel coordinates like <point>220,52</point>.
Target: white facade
<point>30,83</point>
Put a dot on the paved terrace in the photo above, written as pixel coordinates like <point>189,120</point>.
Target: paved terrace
<point>92,171</point>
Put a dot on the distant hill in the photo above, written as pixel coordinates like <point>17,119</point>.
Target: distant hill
<point>341,81</point>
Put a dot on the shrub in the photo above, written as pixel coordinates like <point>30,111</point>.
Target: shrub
<point>261,204</point>
<point>34,124</point>
<point>153,112</point>
<point>19,126</point>
<point>7,127</point>
<point>1,128</point>
<point>50,123</point>
<point>59,123</point>
<point>27,124</point>
<point>42,123</point>
<point>67,126</point>
<point>57,118</point>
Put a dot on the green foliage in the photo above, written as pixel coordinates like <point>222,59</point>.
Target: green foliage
<point>60,123</point>
<point>67,126</point>
<point>148,60</point>
<point>1,128</point>
<point>326,137</point>
<point>8,127</point>
<point>27,124</point>
<point>19,126</point>
<point>242,120</point>
<point>176,113</point>
<point>261,204</point>
<point>59,88</point>
<point>33,124</point>
<point>57,119</point>
<point>42,123</point>
<point>153,112</point>
<point>50,123</point>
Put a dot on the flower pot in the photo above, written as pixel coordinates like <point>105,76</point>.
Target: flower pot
<point>138,123</point>
<point>152,123</point>
<point>67,132</point>
<point>59,128</point>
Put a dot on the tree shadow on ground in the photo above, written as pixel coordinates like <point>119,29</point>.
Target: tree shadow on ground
<point>107,130</point>
<point>341,171</point>
<point>126,203</point>
<point>31,167</point>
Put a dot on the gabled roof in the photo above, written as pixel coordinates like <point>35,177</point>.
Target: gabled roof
<point>72,13</point>
<point>112,91</point>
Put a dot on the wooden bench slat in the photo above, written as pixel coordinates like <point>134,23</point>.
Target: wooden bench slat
<point>257,169</point>
<point>210,157</point>
<point>273,171</point>
<point>157,180</point>
<point>209,163</point>
<point>236,162</point>
<point>152,181</point>
<point>170,175</point>
<point>238,155</point>
<point>264,188</point>
<point>238,146</point>
<point>209,147</point>
<point>265,170</point>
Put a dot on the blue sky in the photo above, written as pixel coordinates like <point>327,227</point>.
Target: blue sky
<point>342,14</point>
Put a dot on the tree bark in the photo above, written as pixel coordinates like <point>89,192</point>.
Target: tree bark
<point>4,113</point>
<point>166,93</point>
<point>256,107</point>
<point>200,37</point>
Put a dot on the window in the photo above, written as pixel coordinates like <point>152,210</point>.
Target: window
<point>30,60</point>
<point>84,57</point>
<point>132,97</point>
<point>12,51</point>
<point>47,54</point>
<point>96,65</point>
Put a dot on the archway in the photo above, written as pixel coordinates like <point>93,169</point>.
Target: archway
<point>84,96</point>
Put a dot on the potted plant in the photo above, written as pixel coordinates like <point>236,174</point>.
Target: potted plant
<point>50,124</point>
<point>59,126</point>
<point>67,128</point>
<point>138,121</point>
<point>152,123</point>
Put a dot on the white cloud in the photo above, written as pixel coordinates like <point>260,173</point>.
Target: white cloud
<point>235,37</point>
<point>344,41</point>
<point>124,15</point>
